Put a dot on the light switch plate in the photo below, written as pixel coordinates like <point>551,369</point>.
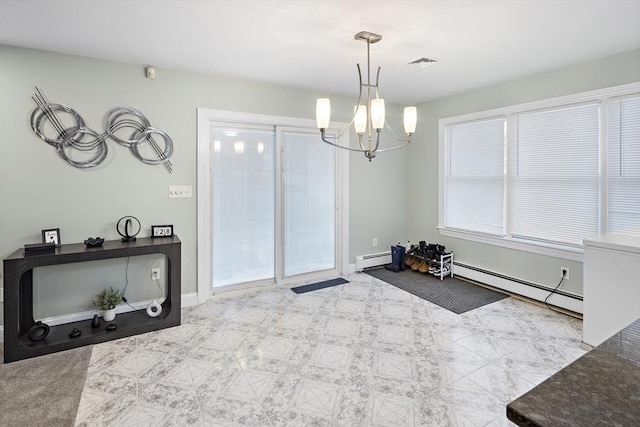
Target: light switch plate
<point>180,191</point>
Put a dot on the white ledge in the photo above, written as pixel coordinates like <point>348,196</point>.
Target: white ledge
<point>556,251</point>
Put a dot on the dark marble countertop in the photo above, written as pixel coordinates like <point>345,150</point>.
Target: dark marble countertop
<point>601,388</point>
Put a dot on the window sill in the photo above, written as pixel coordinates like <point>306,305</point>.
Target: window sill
<point>557,251</point>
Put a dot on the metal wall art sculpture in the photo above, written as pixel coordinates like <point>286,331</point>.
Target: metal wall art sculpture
<point>64,129</point>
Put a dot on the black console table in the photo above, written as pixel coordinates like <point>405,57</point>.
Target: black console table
<point>18,297</point>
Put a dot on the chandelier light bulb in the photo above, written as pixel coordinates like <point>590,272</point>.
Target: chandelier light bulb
<point>377,113</point>
<point>323,112</point>
<point>360,118</point>
<point>410,120</point>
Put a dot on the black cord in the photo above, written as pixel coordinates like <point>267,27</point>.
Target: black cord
<point>564,273</point>
<point>126,283</point>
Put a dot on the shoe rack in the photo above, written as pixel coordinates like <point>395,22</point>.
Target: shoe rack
<point>441,265</point>
<point>445,264</point>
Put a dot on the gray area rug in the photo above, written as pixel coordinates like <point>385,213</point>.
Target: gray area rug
<point>43,391</point>
<point>453,294</point>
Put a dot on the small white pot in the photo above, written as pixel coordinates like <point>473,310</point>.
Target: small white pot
<point>109,315</point>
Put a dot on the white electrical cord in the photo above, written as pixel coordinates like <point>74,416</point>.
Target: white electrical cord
<point>154,308</point>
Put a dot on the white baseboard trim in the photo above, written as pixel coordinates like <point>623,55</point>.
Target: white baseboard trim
<point>351,268</point>
<point>513,286</point>
<point>188,300</point>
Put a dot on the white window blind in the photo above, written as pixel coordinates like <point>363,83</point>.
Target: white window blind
<point>623,164</point>
<point>553,174</point>
<point>474,176</point>
<point>243,204</point>
<point>308,203</point>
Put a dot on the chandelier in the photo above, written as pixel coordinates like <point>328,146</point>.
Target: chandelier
<point>368,117</point>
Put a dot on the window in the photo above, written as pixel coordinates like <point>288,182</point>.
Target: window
<point>553,174</point>
<point>545,175</point>
<point>623,164</point>
<point>475,176</point>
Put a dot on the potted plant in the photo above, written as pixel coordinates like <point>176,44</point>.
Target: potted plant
<point>107,300</point>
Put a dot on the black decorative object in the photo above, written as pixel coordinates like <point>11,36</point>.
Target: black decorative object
<point>111,327</point>
<point>39,249</point>
<point>38,332</point>
<point>161,230</point>
<point>92,242</point>
<point>70,135</point>
<point>51,236</point>
<point>75,333</point>
<point>126,229</point>
<point>95,323</point>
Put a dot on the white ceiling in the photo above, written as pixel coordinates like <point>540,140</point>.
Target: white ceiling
<point>310,44</point>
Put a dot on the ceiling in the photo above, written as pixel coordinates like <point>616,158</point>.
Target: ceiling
<point>310,44</point>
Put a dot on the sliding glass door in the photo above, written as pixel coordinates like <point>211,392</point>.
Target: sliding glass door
<point>243,204</point>
<point>309,200</point>
<point>273,203</point>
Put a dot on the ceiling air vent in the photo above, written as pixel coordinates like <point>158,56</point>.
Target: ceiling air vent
<point>422,62</point>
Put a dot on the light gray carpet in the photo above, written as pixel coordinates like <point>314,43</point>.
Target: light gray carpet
<point>43,391</point>
<point>453,294</point>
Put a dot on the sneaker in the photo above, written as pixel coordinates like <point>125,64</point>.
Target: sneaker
<point>444,271</point>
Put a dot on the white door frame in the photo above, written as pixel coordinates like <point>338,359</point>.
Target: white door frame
<point>205,117</point>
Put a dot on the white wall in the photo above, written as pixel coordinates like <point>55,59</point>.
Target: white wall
<point>38,190</point>
<point>423,162</point>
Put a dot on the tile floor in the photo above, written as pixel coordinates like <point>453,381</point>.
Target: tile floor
<point>360,354</point>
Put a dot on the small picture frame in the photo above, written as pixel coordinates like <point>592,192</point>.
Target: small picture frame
<point>162,231</point>
<point>51,235</point>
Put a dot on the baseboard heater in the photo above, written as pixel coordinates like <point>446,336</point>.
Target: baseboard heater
<point>372,260</point>
<point>560,298</point>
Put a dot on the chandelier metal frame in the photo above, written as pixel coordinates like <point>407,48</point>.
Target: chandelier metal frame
<point>372,111</point>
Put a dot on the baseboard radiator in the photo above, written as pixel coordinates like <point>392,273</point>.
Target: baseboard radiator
<point>535,291</point>
<point>372,260</point>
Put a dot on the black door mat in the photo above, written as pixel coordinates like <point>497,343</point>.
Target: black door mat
<point>319,285</point>
<point>453,294</point>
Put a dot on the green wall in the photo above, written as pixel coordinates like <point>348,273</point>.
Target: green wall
<point>392,198</point>
<point>38,190</point>
<point>423,164</point>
